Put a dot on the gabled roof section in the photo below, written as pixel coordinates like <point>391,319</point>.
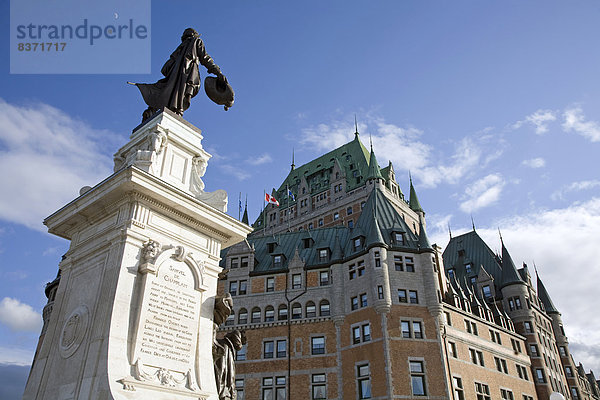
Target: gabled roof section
<point>475,251</point>
<point>379,218</point>
<point>510,276</point>
<point>414,200</point>
<point>352,154</point>
<point>545,297</point>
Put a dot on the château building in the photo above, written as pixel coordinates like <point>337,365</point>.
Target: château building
<point>342,296</point>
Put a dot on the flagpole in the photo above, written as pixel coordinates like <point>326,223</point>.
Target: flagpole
<point>264,213</point>
<point>240,207</point>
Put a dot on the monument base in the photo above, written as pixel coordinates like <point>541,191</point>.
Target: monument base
<point>133,313</point>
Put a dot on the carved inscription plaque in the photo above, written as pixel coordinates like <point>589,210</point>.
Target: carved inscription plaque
<point>168,325</point>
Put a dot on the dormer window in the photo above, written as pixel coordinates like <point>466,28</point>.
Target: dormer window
<point>451,274</point>
<point>307,243</point>
<point>244,262</point>
<point>277,261</point>
<point>357,243</point>
<point>468,268</point>
<point>487,291</point>
<point>461,253</point>
<point>398,238</point>
<point>323,255</point>
<point>271,247</point>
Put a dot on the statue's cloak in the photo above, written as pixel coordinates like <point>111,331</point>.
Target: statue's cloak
<point>182,78</point>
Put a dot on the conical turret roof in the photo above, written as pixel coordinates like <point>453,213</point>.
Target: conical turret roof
<point>373,171</point>
<point>510,275</point>
<point>423,240</point>
<point>414,200</point>
<point>245,216</point>
<point>545,297</point>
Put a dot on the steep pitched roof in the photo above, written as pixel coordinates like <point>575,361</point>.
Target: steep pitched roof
<point>423,240</point>
<point>245,216</point>
<point>470,248</point>
<point>378,220</point>
<point>510,275</point>
<point>545,297</point>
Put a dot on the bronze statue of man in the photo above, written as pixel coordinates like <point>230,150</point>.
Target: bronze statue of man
<point>182,78</point>
<point>224,351</point>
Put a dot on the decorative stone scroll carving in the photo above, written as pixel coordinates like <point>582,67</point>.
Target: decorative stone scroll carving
<point>218,198</point>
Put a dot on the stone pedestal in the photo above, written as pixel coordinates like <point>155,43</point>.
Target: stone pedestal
<point>132,317</point>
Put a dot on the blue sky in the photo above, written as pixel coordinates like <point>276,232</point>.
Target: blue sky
<point>493,107</point>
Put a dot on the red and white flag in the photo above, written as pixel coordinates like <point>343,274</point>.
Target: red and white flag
<point>270,199</point>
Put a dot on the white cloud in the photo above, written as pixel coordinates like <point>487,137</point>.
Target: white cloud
<point>16,356</point>
<point>262,159</point>
<point>539,119</point>
<point>574,121</point>
<point>482,193</point>
<point>575,187</point>
<point>239,173</point>
<point>50,156</point>
<point>19,316</point>
<point>406,149</point>
<point>535,163</point>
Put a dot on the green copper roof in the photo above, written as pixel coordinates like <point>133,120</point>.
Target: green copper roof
<point>470,248</point>
<point>423,240</point>
<point>245,216</point>
<point>509,271</point>
<point>373,172</point>
<point>414,200</point>
<point>545,297</point>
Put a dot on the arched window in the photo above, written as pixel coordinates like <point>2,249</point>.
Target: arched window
<point>282,312</point>
<point>255,315</point>
<point>243,316</point>
<point>311,310</point>
<point>296,311</point>
<point>324,308</point>
<point>269,314</point>
<point>230,319</point>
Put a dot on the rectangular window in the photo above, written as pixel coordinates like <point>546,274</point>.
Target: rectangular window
<point>351,271</point>
<point>417,330</point>
<point>270,284</point>
<point>244,262</point>
<point>527,397</point>
<point>417,377</point>
<point>501,365</point>
<point>319,389</point>
<point>506,394</point>
<point>452,349</point>
<point>541,377</point>
<point>255,315</point>
<point>243,287</point>
<point>364,381</point>
<point>366,332</point>
<point>483,391</point>
<point>357,244</point>
<point>398,265</point>
<point>317,345</point>
<point>234,263</point>
<point>239,387</point>
<point>569,371</point>
<point>563,351</point>
<point>575,393</point>
<point>402,296</point>
<point>377,263</point>
<point>233,288</point>
<point>516,345</point>
<point>405,327</point>
<point>380,292</point>
<point>281,348</point>
<point>324,278</point>
<point>268,349</point>
<point>409,264</point>
<point>336,215</point>
<point>398,238</point>
<point>459,393</point>
<point>487,291</point>
<point>354,303</point>
<point>323,255</point>
<point>363,300</point>
<point>356,335</point>
<point>413,297</point>
<point>361,268</point>
<point>240,355</point>
<point>296,281</point>
<point>277,262</point>
<point>447,318</point>
<point>528,327</point>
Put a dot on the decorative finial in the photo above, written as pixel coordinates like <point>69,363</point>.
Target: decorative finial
<point>371,141</point>
<point>472,222</point>
<point>500,233</point>
<point>535,268</point>
<point>293,165</point>
<point>449,230</point>
<point>355,126</point>
<point>410,177</point>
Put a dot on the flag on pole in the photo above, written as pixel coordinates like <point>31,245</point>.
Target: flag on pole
<point>271,200</point>
<point>291,195</point>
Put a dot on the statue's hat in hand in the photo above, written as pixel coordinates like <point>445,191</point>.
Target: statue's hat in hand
<point>181,80</point>
<point>219,91</point>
